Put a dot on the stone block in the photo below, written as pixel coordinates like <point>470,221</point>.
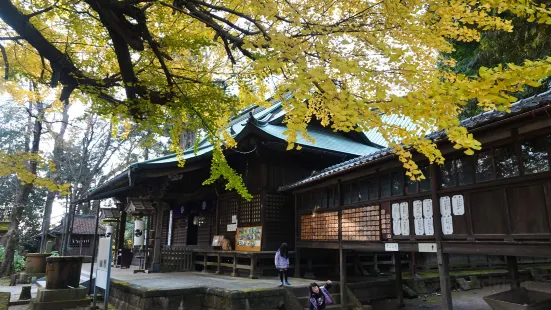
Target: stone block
<point>47,295</point>
<point>25,293</point>
<point>58,305</point>
<point>408,292</point>
<point>474,282</point>
<point>463,284</point>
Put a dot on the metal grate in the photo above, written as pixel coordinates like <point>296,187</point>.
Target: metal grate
<point>323,226</point>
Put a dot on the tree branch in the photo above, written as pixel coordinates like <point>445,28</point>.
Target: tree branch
<point>29,16</point>
<point>6,63</point>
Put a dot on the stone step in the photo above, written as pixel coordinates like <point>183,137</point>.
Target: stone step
<point>333,306</point>
<point>305,290</point>
<point>305,301</point>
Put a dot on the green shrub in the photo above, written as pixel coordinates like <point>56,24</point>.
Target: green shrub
<point>18,260</point>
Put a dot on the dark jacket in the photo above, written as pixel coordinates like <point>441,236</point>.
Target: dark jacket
<point>320,298</point>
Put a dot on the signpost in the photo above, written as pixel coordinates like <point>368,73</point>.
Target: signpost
<point>103,271</point>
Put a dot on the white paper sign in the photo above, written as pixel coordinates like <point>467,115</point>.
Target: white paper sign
<point>458,205</point>
<point>232,227</point>
<point>419,226</point>
<point>103,262</point>
<point>427,247</point>
<point>234,219</point>
<point>391,247</point>
<point>427,208</point>
<point>395,211</point>
<point>404,210</point>
<point>445,206</point>
<point>405,227</point>
<point>417,209</point>
<point>429,226</point>
<point>447,225</point>
<point>397,227</point>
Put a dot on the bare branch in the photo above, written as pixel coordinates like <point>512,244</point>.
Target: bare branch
<point>29,16</point>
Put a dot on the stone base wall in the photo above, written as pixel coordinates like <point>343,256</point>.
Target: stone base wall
<point>128,297</point>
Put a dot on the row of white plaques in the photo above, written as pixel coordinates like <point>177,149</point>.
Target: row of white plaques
<point>422,214</point>
<point>423,247</point>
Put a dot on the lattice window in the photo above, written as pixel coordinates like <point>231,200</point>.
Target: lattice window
<point>249,211</point>
<point>273,212</point>
<point>322,226</point>
<point>228,207</point>
<point>361,224</point>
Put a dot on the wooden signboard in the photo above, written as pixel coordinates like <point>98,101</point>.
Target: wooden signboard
<point>248,239</point>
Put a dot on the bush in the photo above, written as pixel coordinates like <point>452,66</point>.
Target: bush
<point>18,260</point>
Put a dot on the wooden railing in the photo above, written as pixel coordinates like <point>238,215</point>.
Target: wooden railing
<point>253,264</point>
<point>176,259</point>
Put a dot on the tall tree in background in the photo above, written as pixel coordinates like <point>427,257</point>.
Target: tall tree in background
<point>528,40</point>
<point>10,239</point>
<point>54,174</point>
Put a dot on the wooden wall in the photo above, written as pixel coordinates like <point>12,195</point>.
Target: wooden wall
<point>505,187</point>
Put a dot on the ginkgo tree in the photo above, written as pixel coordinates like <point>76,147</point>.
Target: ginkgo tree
<point>347,63</point>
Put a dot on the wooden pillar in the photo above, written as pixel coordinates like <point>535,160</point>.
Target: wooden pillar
<point>234,272</point>
<point>156,264</point>
<point>442,258</point>
<point>121,230</point>
<point>218,269</point>
<point>513,272</point>
<point>205,262</point>
<point>398,269</point>
<point>344,299</point>
<point>297,263</point>
<point>253,265</point>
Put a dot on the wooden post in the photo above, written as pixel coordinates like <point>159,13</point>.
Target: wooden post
<point>253,265</point>
<point>442,258</point>
<point>398,268</point>
<point>513,272</point>
<point>234,273</point>
<point>344,299</point>
<point>205,261</point>
<point>156,264</point>
<point>297,263</point>
<point>218,270</point>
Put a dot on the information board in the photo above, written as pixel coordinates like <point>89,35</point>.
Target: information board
<point>248,239</point>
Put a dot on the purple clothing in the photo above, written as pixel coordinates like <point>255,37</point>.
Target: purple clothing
<point>281,262</point>
<point>318,301</point>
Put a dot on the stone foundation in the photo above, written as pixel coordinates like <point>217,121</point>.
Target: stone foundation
<point>128,297</point>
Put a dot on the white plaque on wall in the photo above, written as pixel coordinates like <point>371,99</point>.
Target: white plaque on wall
<point>427,208</point>
<point>404,210</point>
<point>427,247</point>
<point>417,209</point>
<point>445,206</point>
<point>458,205</point>
<point>395,211</point>
<point>405,227</point>
<point>429,226</point>
<point>419,226</point>
<point>397,227</point>
<point>391,247</point>
<point>447,225</point>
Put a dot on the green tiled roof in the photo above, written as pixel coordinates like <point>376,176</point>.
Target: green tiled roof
<point>267,120</point>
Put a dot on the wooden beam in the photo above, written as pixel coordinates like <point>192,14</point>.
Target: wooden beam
<point>513,272</point>
<point>156,263</point>
<point>398,270</point>
<point>519,249</point>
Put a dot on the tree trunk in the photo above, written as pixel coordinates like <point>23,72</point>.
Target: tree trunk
<point>57,158</point>
<point>10,240</point>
